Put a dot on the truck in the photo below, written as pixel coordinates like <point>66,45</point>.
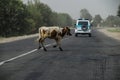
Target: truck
<point>83,26</point>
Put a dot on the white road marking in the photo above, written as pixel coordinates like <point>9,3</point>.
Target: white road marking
<point>5,61</point>
<point>21,55</point>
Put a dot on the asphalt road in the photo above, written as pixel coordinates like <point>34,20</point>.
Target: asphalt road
<point>83,58</point>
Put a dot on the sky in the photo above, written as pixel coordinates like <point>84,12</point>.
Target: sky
<point>73,7</point>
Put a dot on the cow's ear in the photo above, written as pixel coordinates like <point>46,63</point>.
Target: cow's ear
<point>67,28</point>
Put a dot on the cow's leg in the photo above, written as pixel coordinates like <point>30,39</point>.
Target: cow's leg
<point>60,48</point>
<point>42,43</point>
<point>43,46</point>
<point>58,44</point>
<point>54,46</point>
<point>41,40</point>
<point>39,43</point>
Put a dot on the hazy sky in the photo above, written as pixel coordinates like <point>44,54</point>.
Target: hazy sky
<point>73,7</point>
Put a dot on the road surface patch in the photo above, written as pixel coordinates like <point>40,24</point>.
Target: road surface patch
<point>24,54</point>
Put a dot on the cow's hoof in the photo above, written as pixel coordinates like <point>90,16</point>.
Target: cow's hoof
<point>45,49</point>
<point>60,49</point>
<point>39,47</point>
<point>54,46</point>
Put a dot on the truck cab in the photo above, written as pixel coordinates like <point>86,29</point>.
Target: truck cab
<point>83,26</point>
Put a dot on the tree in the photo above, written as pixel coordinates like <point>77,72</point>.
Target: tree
<point>112,21</point>
<point>42,15</point>
<point>118,13</point>
<point>97,20</point>
<point>46,13</point>
<point>84,13</point>
<point>54,18</point>
<point>64,20</point>
<point>12,17</point>
<point>35,15</point>
<point>17,18</point>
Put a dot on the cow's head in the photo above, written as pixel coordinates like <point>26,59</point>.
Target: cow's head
<point>66,30</point>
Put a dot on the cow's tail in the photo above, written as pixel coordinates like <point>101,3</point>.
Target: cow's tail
<point>39,37</point>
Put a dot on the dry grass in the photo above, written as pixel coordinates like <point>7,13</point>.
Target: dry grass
<point>111,32</point>
<point>114,30</point>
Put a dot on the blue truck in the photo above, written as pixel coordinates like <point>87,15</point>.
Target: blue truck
<point>83,26</point>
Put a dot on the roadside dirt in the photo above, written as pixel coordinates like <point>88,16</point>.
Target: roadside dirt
<point>11,39</point>
<point>115,35</point>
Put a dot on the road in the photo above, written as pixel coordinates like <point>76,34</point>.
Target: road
<point>83,58</point>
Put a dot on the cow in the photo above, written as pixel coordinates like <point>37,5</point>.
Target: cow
<point>55,33</point>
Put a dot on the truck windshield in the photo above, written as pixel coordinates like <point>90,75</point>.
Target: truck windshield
<point>82,23</point>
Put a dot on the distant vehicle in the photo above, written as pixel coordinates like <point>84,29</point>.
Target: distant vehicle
<point>83,26</point>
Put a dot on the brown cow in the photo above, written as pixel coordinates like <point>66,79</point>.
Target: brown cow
<point>55,33</point>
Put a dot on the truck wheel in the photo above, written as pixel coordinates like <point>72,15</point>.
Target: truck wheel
<point>76,35</point>
<point>89,34</point>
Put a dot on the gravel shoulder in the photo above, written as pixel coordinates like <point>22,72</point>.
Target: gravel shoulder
<point>115,35</point>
